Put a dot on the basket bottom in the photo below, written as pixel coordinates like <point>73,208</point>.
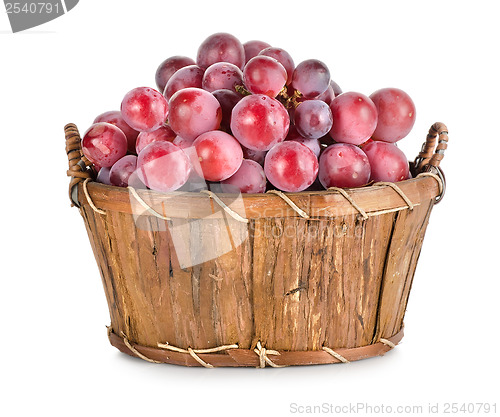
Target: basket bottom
<point>232,356</point>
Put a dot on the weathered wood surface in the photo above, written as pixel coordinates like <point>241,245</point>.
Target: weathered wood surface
<point>291,283</point>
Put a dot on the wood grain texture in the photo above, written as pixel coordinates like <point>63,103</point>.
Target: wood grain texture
<point>293,284</point>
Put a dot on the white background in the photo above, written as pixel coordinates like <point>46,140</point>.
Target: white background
<point>54,353</point>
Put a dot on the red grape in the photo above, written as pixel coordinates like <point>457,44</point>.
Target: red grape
<point>103,144</point>
<point>396,114</point>
<point>291,166</point>
<point>163,133</point>
<point>252,48</point>
<point>343,165</point>
<point>284,58</point>
<point>249,178</point>
<point>387,161</point>
<point>311,78</point>
<point>219,154</point>
<point>144,109</point>
<point>121,171</point>
<point>182,143</point>
<point>168,67</point>
<point>312,144</point>
<point>190,76</point>
<point>354,118</point>
<point>257,156</point>
<point>336,89</point>
<point>194,111</point>
<point>264,75</point>
<point>328,95</point>
<point>162,166</point>
<point>313,119</point>
<point>222,75</point>
<point>221,47</point>
<point>227,100</point>
<point>259,122</point>
<point>103,176</point>
<point>115,118</point>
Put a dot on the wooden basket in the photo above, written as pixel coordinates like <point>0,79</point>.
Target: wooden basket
<point>205,279</point>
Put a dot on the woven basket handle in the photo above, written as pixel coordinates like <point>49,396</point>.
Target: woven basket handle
<point>429,158</point>
<point>80,168</point>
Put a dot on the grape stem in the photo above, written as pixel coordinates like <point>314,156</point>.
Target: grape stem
<point>242,90</point>
<point>287,100</point>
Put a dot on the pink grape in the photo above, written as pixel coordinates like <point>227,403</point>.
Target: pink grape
<point>162,166</point>
<point>354,118</point>
<point>257,156</point>
<point>396,114</point>
<point>190,76</point>
<point>259,122</point>
<point>221,47</point>
<point>122,170</point>
<point>264,75</point>
<point>168,67</point>
<point>311,78</point>
<point>103,176</point>
<point>291,166</point>
<point>344,165</point>
<point>336,88</point>
<point>182,143</point>
<point>103,144</point>
<point>252,48</point>
<point>284,58</point>
<point>313,144</point>
<point>227,100</point>
<point>163,133</point>
<point>328,95</point>
<point>194,111</point>
<point>387,161</point>
<point>222,75</point>
<point>219,154</point>
<point>249,178</point>
<point>313,119</point>
<point>144,109</point>
<point>115,118</point>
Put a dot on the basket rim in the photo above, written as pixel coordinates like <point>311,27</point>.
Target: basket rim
<point>371,199</point>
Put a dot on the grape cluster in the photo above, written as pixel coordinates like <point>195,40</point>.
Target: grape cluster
<point>246,117</point>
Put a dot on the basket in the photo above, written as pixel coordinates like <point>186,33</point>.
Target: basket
<point>275,279</point>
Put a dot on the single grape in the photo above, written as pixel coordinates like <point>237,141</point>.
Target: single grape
<point>249,178</point>
<point>163,133</point>
<point>219,154</point>
<point>344,165</point>
<point>328,95</point>
<point>168,67</point>
<point>222,75</point>
<point>144,109</point>
<point>227,100</point>
<point>183,143</point>
<point>259,122</point>
<point>252,48</point>
<point>221,47</point>
<point>311,78</point>
<point>284,58</point>
<point>103,144</point>
<point>313,119</point>
<point>190,76</point>
<point>194,111</point>
<point>336,88</point>
<point>103,176</point>
<point>121,171</point>
<point>313,144</point>
<point>396,114</point>
<point>291,166</point>
<point>354,118</point>
<point>264,75</point>
<point>257,156</point>
<point>387,161</point>
<point>162,166</point>
<point>115,118</point>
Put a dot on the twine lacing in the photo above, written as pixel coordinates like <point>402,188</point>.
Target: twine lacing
<point>388,343</point>
<point>349,198</point>
<point>399,191</point>
<point>287,200</point>
<point>194,352</point>
<point>262,352</point>
<point>335,354</point>
<point>89,199</point>
<point>148,208</point>
<point>232,213</point>
<point>436,177</point>
<point>136,352</point>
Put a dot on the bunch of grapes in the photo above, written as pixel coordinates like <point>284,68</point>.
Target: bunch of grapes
<point>246,117</point>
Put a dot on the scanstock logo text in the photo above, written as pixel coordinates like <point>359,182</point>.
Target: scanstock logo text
<point>27,14</point>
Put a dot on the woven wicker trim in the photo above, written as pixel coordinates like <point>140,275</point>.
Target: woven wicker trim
<point>262,352</point>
